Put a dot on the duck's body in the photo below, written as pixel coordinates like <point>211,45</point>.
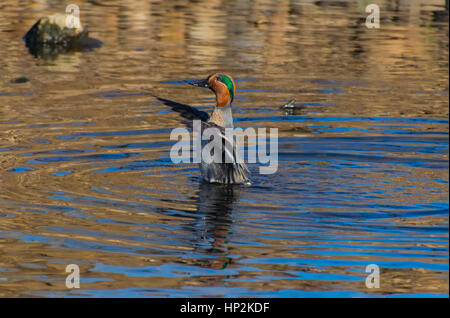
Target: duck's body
<point>231,170</point>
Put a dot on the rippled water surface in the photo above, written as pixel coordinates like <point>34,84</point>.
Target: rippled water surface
<point>86,177</point>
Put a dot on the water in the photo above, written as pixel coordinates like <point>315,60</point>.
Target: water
<point>86,176</point>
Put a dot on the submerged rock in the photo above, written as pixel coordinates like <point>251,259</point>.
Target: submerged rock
<point>20,80</point>
<point>292,109</point>
<point>51,35</point>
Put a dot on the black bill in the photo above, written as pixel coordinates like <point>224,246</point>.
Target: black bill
<point>199,83</point>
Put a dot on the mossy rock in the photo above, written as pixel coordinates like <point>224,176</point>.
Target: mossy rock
<point>50,36</point>
<point>53,30</point>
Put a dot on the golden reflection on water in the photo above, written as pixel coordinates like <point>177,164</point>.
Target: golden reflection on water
<point>97,189</point>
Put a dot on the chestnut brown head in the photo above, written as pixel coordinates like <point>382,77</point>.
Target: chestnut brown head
<point>221,84</point>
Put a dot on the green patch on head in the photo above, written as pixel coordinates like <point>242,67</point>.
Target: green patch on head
<point>229,83</point>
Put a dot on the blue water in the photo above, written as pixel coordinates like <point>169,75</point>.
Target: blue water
<point>335,205</point>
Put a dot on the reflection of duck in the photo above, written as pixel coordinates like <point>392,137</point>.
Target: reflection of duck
<point>230,169</point>
<point>214,206</point>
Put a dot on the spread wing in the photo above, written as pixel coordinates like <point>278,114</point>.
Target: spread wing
<point>188,112</point>
<point>232,168</point>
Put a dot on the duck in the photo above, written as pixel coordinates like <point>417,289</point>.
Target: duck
<point>231,169</point>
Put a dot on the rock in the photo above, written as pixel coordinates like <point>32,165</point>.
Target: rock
<point>53,30</point>
<point>20,80</point>
<point>289,105</point>
<point>51,35</point>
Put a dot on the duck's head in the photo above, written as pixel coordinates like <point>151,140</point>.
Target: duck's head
<point>221,84</point>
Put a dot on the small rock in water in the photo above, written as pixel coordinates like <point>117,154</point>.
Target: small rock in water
<point>289,105</point>
<point>291,108</point>
<point>20,80</point>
